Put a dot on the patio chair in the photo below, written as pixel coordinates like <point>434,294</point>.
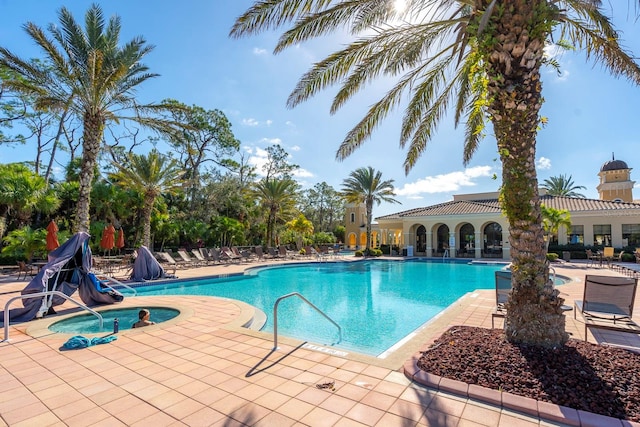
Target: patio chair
<point>259,253</point>
<point>273,254</point>
<point>200,259</point>
<point>592,258</point>
<point>25,268</point>
<point>608,304</point>
<point>607,255</point>
<point>503,289</point>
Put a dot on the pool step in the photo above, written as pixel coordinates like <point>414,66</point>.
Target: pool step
<point>257,322</point>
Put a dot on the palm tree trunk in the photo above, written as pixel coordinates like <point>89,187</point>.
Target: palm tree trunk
<point>369,209</point>
<point>93,127</point>
<point>534,313</point>
<point>149,200</point>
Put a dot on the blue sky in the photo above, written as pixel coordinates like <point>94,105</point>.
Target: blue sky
<point>591,114</point>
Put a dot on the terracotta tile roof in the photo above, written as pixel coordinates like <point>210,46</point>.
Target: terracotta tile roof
<point>466,207</point>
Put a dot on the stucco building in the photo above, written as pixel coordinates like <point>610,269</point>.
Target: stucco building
<point>473,225</point>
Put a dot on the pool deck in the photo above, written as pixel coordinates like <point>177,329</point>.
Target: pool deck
<point>203,369</point>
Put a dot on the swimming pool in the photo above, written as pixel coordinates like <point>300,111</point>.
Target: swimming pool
<point>376,302</point>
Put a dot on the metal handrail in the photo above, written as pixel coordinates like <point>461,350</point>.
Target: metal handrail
<point>553,277</point>
<point>111,279</point>
<point>43,294</point>
<point>275,317</point>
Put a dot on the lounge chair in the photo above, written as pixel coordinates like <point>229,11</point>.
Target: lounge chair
<point>608,304</point>
<point>273,253</point>
<point>199,257</point>
<point>503,289</point>
<point>187,259</point>
<point>165,257</point>
<point>229,255</point>
<point>259,253</point>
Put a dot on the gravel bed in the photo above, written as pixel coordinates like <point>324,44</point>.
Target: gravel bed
<point>595,378</point>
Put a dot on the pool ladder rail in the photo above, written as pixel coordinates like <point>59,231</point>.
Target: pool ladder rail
<point>296,294</point>
<point>44,294</point>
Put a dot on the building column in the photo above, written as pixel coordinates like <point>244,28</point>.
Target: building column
<point>478,245</point>
<point>428,247</point>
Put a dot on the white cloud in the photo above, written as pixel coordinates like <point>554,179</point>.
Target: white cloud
<point>250,122</point>
<point>268,122</point>
<point>445,183</point>
<point>543,163</point>
<point>271,141</point>
<point>259,51</point>
<point>295,148</point>
<point>290,123</point>
<point>302,173</point>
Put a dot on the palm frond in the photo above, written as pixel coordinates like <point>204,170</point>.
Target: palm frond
<point>270,14</point>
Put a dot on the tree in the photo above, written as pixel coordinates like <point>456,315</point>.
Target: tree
<point>323,205</point>
<point>365,185</point>
<point>278,198</point>
<point>562,185</point>
<point>482,59</point>
<point>151,176</point>
<point>302,227</point>
<point>277,165</point>
<point>21,193</point>
<point>92,75</point>
<point>207,139</point>
<point>552,220</point>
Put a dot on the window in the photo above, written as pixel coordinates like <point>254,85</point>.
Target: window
<point>631,234</point>
<point>353,217</point>
<point>602,235</point>
<point>576,235</point>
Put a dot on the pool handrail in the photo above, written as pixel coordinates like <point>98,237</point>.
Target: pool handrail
<point>43,294</point>
<point>275,316</point>
<point>112,279</point>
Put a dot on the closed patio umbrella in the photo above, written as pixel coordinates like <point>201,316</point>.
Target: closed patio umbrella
<point>120,242</point>
<point>52,236</point>
<point>108,237</point>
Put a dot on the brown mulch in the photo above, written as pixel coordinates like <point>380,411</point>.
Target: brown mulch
<point>595,378</point>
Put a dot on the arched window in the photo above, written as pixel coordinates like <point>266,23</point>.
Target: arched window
<point>353,217</point>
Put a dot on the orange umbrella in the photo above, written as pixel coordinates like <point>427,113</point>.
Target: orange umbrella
<point>52,236</point>
<point>108,238</point>
<point>120,243</point>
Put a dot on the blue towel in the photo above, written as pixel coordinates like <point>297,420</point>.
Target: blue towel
<point>79,341</point>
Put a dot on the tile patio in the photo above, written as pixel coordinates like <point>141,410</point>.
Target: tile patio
<point>204,369</point>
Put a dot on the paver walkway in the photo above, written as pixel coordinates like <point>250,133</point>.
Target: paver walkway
<point>202,369</point>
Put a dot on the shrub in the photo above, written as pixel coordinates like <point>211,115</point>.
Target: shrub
<point>359,253</point>
<point>552,257</point>
<point>375,252</point>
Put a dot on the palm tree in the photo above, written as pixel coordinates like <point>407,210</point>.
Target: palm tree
<point>552,220</point>
<point>151,176</point>
<point>365,185</point>
<point>278,197</point>
<point>89,73</point>
<point>482,59</point>
<point>562,185</point>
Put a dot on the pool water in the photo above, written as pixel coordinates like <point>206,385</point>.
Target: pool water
<point>89,324</point>
<point>377,303</point>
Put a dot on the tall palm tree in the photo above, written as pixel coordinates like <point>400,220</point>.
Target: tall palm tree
<point>91,74</point>
<point>278,197</point>
<point>365,185</point>
<point>150,175</point>
<point>562,185</point>
<point>480,58</point>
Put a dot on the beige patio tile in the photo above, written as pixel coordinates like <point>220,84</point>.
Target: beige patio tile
<point>88,418</point>
<point>24,413</point>
<point>319,417</point>
<point>337,404</point>
<point>295,408</point>
<point>203,417</point>
<point>365,414</point>
<point>183,408</point>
